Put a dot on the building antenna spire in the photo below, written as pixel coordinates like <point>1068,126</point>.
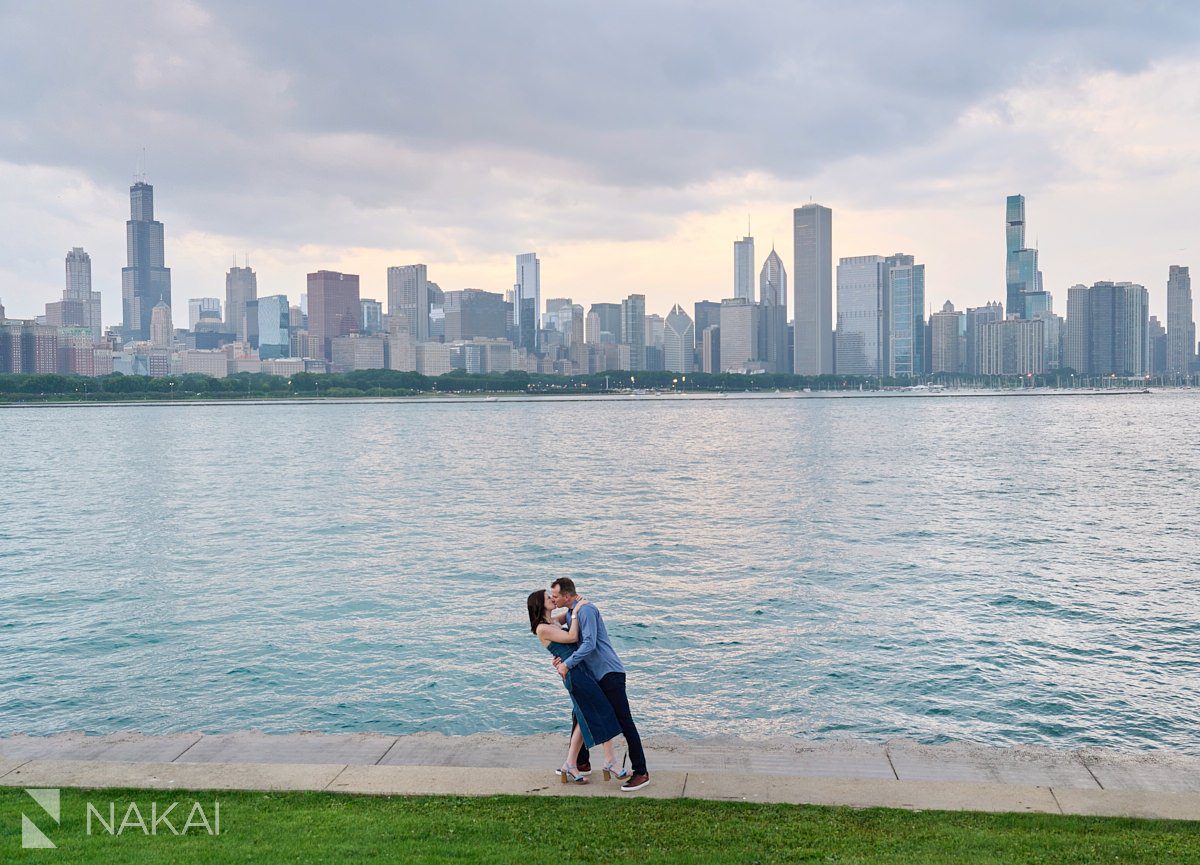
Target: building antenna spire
<point>140,176</point>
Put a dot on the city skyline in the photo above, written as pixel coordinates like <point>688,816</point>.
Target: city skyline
<point>606,186</point>
<point>380,285</point>
<point>884,323</point>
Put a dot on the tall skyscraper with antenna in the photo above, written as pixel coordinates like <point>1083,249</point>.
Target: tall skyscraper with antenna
<point>241,288</point>
<point>743,268</point>
<point>812,289</point>
<point>145,281</point>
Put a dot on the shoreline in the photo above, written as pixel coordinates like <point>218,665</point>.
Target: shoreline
<point>898,773</point>
<point>518,397</point>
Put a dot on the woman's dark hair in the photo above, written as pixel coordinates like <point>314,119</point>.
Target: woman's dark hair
<point>537,609</point>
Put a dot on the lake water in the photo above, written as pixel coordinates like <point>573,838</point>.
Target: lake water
<point>1007,570</point>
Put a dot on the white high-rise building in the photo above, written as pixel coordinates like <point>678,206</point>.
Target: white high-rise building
<point>743,268</point>
<point>772,281</point>
<point>1181,327</point>
<point>527,300</point>
<point>772,294</point>
<point>740,326</point>
<point>679,341</point>
<point>812,280</point>
<point>408,298</point>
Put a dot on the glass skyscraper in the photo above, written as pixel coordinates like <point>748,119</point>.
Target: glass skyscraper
<point>527,300</point>
<point>905,292</point>
<point>633,329</point>
<point>1021,264</point>
<point>273,330</point>
<point>862,316</point>
<point>145,281</point>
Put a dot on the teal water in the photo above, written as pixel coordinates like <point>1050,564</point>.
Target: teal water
<point>1011,570</point>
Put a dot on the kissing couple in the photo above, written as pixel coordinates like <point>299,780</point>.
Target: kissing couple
<point>573,631</point>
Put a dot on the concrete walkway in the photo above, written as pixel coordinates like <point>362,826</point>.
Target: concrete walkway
<point>896,774</point>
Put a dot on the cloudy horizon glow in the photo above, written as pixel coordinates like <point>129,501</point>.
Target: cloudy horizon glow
<point>626,143</point>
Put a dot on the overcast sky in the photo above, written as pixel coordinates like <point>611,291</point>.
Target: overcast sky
<point>627,143</point>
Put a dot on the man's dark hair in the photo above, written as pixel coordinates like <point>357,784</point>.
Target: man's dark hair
<point>565,585</point>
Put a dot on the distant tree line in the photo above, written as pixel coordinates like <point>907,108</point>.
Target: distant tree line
<point>383,382</point>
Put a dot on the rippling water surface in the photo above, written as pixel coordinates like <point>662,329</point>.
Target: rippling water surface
<point>998,569</point>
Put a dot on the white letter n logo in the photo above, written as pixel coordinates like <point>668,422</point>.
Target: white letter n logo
<point>32,836</point>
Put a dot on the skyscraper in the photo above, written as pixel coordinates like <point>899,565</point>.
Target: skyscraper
<point>904,288</point>
<point>741,323</point>
<point>145,281</point>
<point>946,340</point>
<point>1158,346</point>
<point>203,308</point>
<point>976,318</point>
<point>241,287</point>
<point>607,323</point>
<point>633,329</point>
<point>679,341</point>
<point>862,316</point>
<point>472,313</point>
<point>773,327</point>
<point>1021,264</point>
<point>408,296</point>
<point>708,314</point>
<point>812,278</point>
<point>371,316</point>
<point>161,332</point>
<point>527,301</point>
<point>1181,327</point>
<point>1012,347</point>
<point>743,268</point>
<point>1108,329</point>
<point>333,307</point>
<point>79,288</point>
<point>772,281</point>
<point>1077,348</point>
<point>274,326</point>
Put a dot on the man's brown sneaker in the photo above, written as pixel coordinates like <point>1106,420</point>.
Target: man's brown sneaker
<point>637,782</point>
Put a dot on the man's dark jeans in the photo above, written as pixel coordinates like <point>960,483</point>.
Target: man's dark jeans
<point>613,686</point>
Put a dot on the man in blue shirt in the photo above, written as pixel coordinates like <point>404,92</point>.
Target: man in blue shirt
<point>596,652</point>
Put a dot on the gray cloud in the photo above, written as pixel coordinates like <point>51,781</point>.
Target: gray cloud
<point>392,125</point>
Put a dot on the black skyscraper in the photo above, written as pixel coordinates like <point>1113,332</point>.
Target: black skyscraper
<point>146,280</point>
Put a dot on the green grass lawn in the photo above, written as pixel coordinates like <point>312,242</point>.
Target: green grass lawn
<point>335,828</point>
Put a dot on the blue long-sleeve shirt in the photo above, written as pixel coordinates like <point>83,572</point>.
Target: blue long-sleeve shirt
<point>594,649</point>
